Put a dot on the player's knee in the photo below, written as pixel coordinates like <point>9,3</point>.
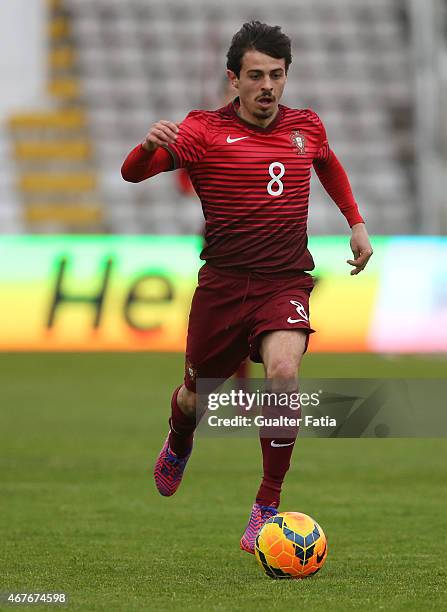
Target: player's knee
<point>282,369</point>
<point>187,401</point>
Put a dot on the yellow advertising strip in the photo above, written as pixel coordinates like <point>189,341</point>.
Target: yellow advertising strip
<point>133,293</point>
<point>68,293</point>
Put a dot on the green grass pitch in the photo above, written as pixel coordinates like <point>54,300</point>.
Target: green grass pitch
<point>80,513</point>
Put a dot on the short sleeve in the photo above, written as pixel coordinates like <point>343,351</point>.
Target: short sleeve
<point>190,145</point>
<point>323,151</point>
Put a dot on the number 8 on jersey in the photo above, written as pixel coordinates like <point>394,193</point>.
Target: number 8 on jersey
<point>276,179</point>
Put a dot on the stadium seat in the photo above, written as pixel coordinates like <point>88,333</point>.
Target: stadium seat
<point>59,149</point>
<point>49,182</point>
<point>66,119</point>
<point>75,214</point>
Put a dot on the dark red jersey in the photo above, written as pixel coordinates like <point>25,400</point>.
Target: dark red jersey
<point>254,186</point>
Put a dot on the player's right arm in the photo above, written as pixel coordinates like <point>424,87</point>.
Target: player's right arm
<point>150,157</point>
<point>161,134</point>
<point>167,146</point>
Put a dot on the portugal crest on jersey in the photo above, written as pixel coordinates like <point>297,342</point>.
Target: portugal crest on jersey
<point>190,370</point>
<point>298,141</point>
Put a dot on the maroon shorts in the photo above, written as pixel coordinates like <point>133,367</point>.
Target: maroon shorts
<point>229,315</point>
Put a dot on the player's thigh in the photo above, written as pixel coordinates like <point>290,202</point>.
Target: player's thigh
<point>281,352</point>
<point>217,340</point>
<point>287,310</point>
<point>217,358</point>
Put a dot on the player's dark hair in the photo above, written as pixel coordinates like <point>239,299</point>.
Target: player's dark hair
<point>257,36</point>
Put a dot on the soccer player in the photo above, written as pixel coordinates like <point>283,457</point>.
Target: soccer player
<point>250,163</point>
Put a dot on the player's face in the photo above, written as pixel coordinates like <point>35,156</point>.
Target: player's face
<point>260,86</point>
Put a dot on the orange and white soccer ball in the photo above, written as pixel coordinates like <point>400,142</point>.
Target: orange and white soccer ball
<point>291,545</point>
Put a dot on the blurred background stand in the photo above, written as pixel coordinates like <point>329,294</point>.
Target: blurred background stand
<point>103,71</point>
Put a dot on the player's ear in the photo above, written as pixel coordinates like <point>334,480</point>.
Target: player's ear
<point>232,77</point>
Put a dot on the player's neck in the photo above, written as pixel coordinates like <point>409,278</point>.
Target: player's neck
<point>249,118</point>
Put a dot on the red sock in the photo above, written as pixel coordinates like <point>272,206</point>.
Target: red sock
<point>182,428</point>
<point>276,454</point>
<point>276,462</point>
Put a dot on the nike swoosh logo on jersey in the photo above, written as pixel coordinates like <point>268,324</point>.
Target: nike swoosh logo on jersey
<point>230,140</point>
<point>290,320</point>
<point>276,445</point>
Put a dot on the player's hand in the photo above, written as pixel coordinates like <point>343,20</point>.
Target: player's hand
<point>162,133</point>
<point>360,247</point>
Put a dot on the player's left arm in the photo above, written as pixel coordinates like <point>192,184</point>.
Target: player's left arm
<point>334,179</point>
<point>361,248</point>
